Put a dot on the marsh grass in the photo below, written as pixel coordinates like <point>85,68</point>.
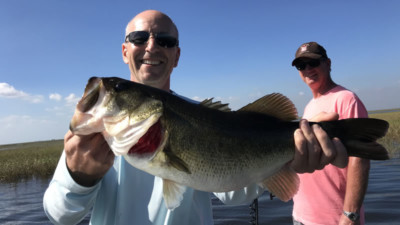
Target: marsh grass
<point>19,162</point>
<point>392,138</point>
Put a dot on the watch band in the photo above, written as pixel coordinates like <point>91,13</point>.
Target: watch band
<point>353,216</point>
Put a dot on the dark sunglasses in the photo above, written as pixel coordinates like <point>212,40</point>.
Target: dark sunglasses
<point>303,64</point>
<point>141,37</point>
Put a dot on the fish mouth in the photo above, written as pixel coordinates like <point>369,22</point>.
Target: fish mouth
<point>83,121</point>
<point>141,138</point>
<point>130,127</point>
<point>91,95</point>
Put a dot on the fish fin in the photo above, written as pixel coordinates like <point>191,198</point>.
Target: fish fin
<point>283,184</point>
<point>176,162</point>
<point>173,193</point>
<point>275,104</point>
<point>359,136</point>
<point>215,105</point>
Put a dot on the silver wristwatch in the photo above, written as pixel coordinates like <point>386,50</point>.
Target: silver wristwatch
<point>353,216</point>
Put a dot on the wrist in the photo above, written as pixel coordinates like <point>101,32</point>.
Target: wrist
<point>353,216</point>
<point>83,179</point>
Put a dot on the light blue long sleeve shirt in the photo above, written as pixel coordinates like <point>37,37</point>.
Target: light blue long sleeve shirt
<point>127,195</point>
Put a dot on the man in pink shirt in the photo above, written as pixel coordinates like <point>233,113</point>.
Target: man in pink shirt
<point>331,195</point>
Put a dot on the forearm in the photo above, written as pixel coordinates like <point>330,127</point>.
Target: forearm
<point>357,183</point>
<point>66,202</point>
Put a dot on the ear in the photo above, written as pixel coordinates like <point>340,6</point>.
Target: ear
<point>124,52</point>
<point>328,61</point>
<point>178,54</point>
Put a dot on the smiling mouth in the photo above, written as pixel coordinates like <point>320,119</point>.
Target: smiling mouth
<point>312,76</point>
<point>151,62</point>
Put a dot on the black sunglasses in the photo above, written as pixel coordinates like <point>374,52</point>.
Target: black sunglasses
<point>303,64</point>
<point>141,37</point>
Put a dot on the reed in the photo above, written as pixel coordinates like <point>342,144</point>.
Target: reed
<point>391,141</point>
<point>27,160</point>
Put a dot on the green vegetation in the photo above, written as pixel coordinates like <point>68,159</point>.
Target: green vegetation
<point>23,161</point>
<point>392,139</point>
<point>39,159</point>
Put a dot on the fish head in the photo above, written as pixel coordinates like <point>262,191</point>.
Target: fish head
<point>123,111</point>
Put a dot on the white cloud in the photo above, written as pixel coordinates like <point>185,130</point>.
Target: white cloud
<point>197,98</point>
<point>54,109</point>
<point>8,91</point>
<point>55,96</point>
<point>301,93</point>
<point>72,99</point>
<point>35,98</point>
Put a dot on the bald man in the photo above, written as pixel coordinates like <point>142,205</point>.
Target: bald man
<point>89,178</point>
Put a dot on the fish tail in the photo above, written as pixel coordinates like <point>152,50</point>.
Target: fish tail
<point>359,136</point>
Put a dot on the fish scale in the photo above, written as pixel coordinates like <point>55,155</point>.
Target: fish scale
<point>205,146</point>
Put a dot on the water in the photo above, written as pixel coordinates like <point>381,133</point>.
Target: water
<point>22,203</point>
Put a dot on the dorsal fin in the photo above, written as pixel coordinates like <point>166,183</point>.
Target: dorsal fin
<point>275,104</point>
<point>215,105</point>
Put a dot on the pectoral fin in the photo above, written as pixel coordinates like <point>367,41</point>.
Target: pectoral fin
<point>176,162</point>
<point>283,184</point>
<point>173,193</point>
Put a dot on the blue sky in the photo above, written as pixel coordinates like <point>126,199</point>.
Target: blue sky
<point>235,51</point>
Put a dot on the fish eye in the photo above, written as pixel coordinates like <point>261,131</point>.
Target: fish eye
<point>120,86</point>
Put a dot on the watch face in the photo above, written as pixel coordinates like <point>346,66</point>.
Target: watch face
<point>353,216</point>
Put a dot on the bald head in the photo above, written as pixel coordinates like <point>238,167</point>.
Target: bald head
<point>152,56</point>
<point>154,19</point>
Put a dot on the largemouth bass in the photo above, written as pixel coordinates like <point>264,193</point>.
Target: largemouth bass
<point>205,146</point>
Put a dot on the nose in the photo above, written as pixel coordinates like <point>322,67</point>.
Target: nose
<point>151,44</point>
<point>308,67</point>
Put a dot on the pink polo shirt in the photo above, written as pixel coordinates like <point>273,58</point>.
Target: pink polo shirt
<point>321,194</point>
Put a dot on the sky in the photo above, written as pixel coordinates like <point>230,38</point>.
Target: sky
<point>234,51</point>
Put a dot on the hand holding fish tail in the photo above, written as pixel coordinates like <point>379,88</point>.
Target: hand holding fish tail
<point>333,151</point>
<point>337,154</point>
<point>314,148</point>
<point>305,142</point>
<point>88,157</point>
<point>325,116</point>
<point>341,160</point>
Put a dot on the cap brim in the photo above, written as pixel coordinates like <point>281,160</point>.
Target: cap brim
<point>306,55</point>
